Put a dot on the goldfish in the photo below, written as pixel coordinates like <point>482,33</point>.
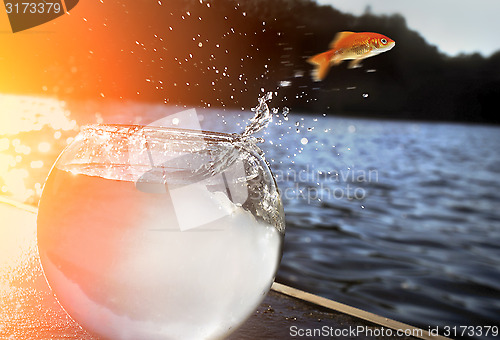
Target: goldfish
<point>349,46</point>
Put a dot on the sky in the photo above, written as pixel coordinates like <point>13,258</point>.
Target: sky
<point>454,26</point>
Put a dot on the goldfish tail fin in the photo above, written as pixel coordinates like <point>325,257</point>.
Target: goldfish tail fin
<point>322,65</point>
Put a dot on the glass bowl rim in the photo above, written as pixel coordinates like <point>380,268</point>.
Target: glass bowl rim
<point>167,133</point>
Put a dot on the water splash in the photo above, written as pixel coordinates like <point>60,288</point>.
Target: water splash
<point>261,118</point>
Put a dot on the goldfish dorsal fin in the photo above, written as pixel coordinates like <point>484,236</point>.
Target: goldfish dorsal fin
<point>339,36</point>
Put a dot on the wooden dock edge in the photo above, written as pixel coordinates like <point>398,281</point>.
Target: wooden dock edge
<point>22,206</point>
<point>305,296</point>
<point>355,312</point>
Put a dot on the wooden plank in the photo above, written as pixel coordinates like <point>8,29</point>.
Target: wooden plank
<point>355,312</point>
<point>22,206</point>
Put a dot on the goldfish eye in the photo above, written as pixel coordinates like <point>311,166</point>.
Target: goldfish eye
<point>383,41</point>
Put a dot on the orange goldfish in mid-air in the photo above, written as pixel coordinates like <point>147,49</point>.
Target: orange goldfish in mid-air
<point>350,46</point>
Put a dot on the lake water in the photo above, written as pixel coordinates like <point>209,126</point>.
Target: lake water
<point>398,218</point>
<point>401,219</point>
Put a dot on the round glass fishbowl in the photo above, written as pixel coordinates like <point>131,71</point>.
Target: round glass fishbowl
<point>160,233</point>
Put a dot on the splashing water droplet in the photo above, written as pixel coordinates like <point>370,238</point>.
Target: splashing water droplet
<point>286,111</point>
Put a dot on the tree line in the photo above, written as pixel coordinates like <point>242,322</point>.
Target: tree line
<point>223,53</point>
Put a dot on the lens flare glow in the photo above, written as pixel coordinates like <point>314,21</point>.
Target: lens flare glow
<point>31,131</point>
